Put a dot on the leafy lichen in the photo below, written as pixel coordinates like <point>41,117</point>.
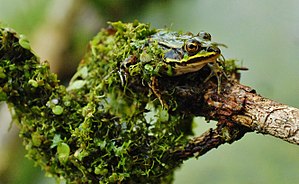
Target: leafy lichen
<point>107,126</point>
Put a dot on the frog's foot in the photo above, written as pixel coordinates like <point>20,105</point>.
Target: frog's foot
<point>154,85</point>
<point>217,71</point>
<point>123,77</point>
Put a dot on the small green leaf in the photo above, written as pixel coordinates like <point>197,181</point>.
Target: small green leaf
<point>145,57</point>
<point>100,170</point>
<point>57,110</point>
<point>33,83</point>
<point>148,67</point>
<point>24,42</point>
<point>101,144</point>
<point>56,140</point>
<point>80,154</point>
<point>77,84</point>
<point>63,151</point>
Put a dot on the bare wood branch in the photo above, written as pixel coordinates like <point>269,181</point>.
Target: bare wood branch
<point>268,117</point>
<point>238,110</point>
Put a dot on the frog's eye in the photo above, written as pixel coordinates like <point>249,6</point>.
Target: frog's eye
<point>192,47</point>
<point>205,35</point>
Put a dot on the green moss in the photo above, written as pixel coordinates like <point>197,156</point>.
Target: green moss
<point>107,126</point>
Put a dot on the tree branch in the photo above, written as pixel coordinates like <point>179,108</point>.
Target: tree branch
<point>238,110</point>
<point>99,131</point>
<point>268,117</point>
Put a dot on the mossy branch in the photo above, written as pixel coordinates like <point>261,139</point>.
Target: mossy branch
<point>109,126</point>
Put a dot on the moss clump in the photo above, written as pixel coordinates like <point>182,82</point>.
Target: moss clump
<point>107,126</point>
<point>127,135</point>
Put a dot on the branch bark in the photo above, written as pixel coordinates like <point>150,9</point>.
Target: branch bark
<point>239,110</point>
<point>267,116</point>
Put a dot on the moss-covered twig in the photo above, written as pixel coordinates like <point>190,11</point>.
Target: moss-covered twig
<point>123,121</point>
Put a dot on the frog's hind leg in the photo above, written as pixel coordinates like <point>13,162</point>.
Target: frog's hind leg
<point>154,85</point>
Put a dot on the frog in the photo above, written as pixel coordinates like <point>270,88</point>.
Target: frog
<point>181,53</point>
<point>186,53</point>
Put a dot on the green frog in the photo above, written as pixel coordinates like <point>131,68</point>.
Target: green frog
<point>119,120</point>
<point>179,54</point>
<point>186,53</point>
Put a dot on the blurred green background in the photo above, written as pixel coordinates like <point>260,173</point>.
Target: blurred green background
<point>263,35</point>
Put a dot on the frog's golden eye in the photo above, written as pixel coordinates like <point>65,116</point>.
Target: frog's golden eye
<point>192,47</point>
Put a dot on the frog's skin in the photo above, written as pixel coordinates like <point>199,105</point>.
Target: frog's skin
<point>186,53</point>
<point>110,124</point>
<point>183,53</point>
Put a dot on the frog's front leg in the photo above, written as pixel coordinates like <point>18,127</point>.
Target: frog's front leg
<point>123,70</point>
<point>217,71</point>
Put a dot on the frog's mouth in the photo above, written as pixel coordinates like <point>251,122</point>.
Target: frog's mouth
<point>196,62</point>
<point>196,65</point>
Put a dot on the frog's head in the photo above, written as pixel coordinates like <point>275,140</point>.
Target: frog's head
<point>187,52</point>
